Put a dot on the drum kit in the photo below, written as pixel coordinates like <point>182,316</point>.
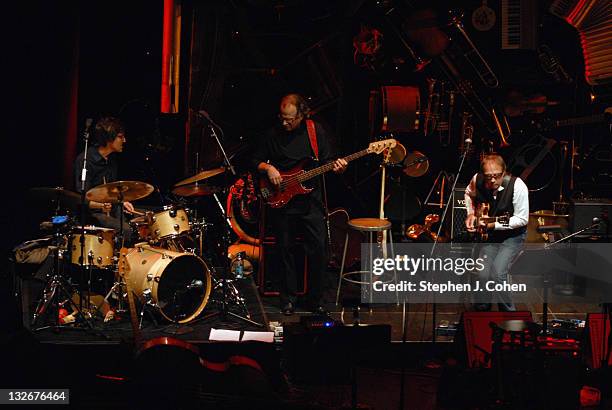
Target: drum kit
<point>171,273</point>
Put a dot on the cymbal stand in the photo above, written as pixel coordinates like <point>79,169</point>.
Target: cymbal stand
<point>224,281</point>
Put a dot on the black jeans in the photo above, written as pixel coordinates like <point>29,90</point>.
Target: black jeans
<point>286,226</point>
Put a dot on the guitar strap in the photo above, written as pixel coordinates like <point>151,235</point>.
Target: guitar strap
<point>312,136</point>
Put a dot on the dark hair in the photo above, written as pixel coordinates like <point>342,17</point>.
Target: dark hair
<point>300,103</point>
<point>494,158</point>
<point>107,129</point>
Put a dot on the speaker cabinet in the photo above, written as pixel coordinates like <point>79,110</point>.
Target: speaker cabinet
<point>595,349</point>
<point>583,212</point>
<point>270,267</point>
<point>459,213</point>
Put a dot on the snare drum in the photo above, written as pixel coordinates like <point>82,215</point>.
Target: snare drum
<point>98,246</point>
<point>177,283</point>
<point>140,227</point>
<point>169,223</point>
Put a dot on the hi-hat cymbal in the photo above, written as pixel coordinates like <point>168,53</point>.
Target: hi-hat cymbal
<point>415,164</point>
<point>200,176</point>
<point>119,191</point>
<point>66,198</point>
<point>195,190</point>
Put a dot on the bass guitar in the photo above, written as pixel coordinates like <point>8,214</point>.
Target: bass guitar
<point>277,196</point>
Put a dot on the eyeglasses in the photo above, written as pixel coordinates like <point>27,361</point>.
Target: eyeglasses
<point>288,120</point>
<point>493,176</point>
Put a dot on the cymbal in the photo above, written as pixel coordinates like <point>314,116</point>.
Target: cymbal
<point>415,164</point>
<point>195,190</point>
<point>66,198</point>
<point>119,191</point>
<point>397,154</point>
<point>201,175</point>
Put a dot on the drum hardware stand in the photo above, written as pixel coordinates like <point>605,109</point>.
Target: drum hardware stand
<point>225,283</point>
<point>56,288</point>
<point>175,328</point>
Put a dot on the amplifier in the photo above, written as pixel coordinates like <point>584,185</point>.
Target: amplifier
<point>270,267</point>
<point>582,213</point>
<point>458,233</point>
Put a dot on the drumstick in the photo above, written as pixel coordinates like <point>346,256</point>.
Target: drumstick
<point>139,213</point>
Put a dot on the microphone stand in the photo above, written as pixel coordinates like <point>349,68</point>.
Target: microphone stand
<point>88,122</point>
<point>225,312</point>
<point>605,307</point>
<point>467,143</point>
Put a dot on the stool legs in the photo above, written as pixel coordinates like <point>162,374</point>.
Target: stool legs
<point>346,238</point>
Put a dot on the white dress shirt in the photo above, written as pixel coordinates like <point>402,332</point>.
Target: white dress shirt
<point>520,202</point>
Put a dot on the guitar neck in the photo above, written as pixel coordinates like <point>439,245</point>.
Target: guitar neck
<point>580,120</point>
<point>328,167</point>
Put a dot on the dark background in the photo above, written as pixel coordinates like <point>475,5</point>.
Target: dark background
<point>244,56</point>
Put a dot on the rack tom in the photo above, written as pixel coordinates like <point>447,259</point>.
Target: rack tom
<point>169,223</point>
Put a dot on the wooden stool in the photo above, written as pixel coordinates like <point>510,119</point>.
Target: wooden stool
<point>371,226</point>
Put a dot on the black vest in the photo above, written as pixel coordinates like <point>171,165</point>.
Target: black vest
<point>500,205</point>
<point>503,202</point>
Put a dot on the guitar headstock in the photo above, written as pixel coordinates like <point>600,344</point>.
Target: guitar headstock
<point>122,265</point>
<point>379,146</point>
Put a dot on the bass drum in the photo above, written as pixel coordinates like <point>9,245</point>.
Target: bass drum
<point>394,109</point>
<point>177,283</point>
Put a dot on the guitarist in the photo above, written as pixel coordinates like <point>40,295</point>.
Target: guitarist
<point>505,194</point>
<point>284,147</point>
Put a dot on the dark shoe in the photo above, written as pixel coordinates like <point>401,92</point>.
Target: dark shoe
<point>288,309</point>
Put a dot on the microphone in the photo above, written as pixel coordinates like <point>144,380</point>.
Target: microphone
<point>206,115</point>
<point>196,284</point>
<point>88,123</point>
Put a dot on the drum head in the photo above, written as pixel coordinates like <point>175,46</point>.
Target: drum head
<point>183,288</point>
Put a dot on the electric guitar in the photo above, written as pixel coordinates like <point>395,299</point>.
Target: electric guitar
<point>277,196</point>
<point>482,215</point>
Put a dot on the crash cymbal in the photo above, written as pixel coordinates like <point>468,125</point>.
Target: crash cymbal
<point>200,176</point>
<point>66,198</point>
<point>415,164</point>
<point>195,190</point>
<point>119,191</point>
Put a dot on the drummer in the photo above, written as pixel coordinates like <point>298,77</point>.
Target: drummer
<point>102,168</point>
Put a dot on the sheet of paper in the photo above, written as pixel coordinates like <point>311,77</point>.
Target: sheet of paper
<point>267,337</point>
<point>223,335</point>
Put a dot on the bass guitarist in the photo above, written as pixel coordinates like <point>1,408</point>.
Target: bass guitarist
<point>294,139</point>
<point>505,195</point>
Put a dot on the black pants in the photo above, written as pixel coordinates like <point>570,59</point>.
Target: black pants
<point>312,224</point>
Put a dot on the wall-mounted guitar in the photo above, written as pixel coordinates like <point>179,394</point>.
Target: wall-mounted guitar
<point>291,185</point>
<point>482,215</point>
<point>548,124</point>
